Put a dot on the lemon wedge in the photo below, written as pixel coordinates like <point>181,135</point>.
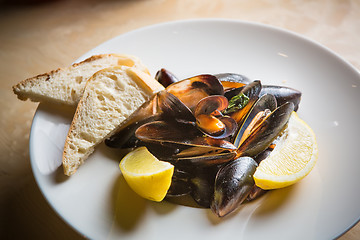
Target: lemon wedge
<point>146,175</point>
<point>291,160</point>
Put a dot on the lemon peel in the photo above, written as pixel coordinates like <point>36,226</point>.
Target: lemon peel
<point>293,158</point>
<point>146,175</point>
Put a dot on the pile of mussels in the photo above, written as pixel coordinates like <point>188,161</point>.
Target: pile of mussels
<point>215,129</point>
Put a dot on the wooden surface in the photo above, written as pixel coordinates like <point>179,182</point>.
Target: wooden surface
<point>41,36</point>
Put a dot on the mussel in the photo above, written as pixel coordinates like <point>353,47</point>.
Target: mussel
<point>267,103</point>
<point>202,185</point>
<point>211,121</point>
<point>165,77</point>
<point>233,183</point>
<point>283,94</point>
<point>190,91</point>
<point>264,134</point>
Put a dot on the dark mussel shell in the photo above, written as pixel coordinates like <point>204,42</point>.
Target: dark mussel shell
<point>180,183</point>
<point>165,77</point>
<point>182,155</point>
<point>179,188</point>
<point>232,83</point>
<point>266,101</point>
<point>202,185</point>
<point>233,183</point>
<point>173,109</point>
<point>126,137</point>
<point>191,90</point>
<point>184,143</point>
<point>261,137</point>
<point>283,94</point>
<point>210,120</point>
<point>210,158</point>
<point>264,154</point>
<point>179,134</point>
<point>252,91</point>
<point>167,133</point>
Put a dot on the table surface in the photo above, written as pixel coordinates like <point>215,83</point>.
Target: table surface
<point>38,36</point>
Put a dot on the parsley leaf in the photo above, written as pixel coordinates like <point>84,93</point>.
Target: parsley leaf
<point>236,103</point>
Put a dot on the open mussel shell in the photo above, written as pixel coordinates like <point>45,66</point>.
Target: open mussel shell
<point>210,158</point>
<point>191,90</point>
<point>184,143</point>
<point>233,183</point>
<point>230,126</point>
<point>211,105</point>
<point>165,77</point>
<point>172,108</point>
<point>283,94</point>
<point>178,134</point>
<point>252,91</point>
<point>265,133</point>
<point>266,101</point>
<point>167,133</point>
<point>209,119</point>
<point>232,83</point>
<point>203,151</point>
<point>210,125</point>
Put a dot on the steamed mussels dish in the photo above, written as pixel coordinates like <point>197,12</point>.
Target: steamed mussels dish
<point>215,130</point>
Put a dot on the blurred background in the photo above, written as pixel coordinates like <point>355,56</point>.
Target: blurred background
<point>37,36</point>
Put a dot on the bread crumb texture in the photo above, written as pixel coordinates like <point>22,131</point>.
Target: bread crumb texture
<point>110,97</point>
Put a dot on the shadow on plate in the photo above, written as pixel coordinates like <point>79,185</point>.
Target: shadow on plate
<point>60,110</point>
<point>127,207</point>
<point>274,200</point>
<point>59,176</point>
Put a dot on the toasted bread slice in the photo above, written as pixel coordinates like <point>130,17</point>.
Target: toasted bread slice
<point>66,85</point>
<point>111,95</point>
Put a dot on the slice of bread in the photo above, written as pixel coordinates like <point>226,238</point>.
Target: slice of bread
<point>66,85</point>
<point>111,95</point>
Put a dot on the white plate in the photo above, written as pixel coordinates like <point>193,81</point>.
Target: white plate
<point>97,202</point>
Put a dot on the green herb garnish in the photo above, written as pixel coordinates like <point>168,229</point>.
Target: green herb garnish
<point>236,103</point>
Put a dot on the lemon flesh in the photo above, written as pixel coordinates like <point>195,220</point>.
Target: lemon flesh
<point>291,160</point>
<point>146,175</point>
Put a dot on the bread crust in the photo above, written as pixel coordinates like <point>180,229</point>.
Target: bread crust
<point>17,90</point>
<point>24,92</point>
